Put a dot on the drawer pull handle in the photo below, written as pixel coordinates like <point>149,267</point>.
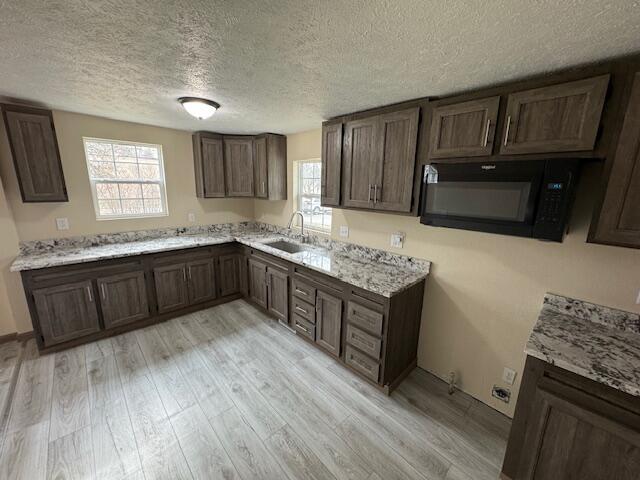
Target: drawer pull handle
<point>302,328</point>
<point>302,310</point>
<point>301,291</point>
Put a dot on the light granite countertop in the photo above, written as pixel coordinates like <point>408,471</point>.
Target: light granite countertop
<point>596,342</point>
<point>373,270</point>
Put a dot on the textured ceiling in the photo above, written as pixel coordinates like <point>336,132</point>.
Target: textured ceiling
<point>284,66</point>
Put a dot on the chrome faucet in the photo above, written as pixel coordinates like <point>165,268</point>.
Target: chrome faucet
<point>293,215</point>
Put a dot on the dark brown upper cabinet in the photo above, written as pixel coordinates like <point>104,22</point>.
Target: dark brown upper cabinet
<point>238,165</point>
<point>558,118</point>
<point>617,222</point>
<point>208,155</point>
<point>270,166</point>
<point>360,158</point>
<point>394,169</point>
<point>66,311</point>
<point>36,157</point>
<point>380,156</point>
<point>123,298</point>
<point>331,165</point>
<point>465,129</point>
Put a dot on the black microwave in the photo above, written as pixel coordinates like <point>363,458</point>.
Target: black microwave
<point>523,198</point>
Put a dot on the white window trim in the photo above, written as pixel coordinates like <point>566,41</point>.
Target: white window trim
<point>298,197</point>
<point>93,182</point>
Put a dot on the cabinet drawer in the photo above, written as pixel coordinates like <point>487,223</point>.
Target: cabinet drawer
<point>363,341</point>
<point>303,327</point>
<point>304,309</point>
<point>304,291</point>
<point>363,364</point>
<point>365,318</point>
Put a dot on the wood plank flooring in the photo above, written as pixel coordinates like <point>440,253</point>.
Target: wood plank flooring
<point>227,393</point>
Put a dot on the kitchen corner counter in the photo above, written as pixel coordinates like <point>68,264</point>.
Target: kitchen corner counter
<point>373,270</point>
<point>596,342</point>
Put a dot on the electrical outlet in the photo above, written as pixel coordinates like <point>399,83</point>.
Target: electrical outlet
<point>397,239</point>
<point>191,217</point>
<point>501,393</point>
<point>508,375</point>
<point>62,223</point>
<point>344,231</point>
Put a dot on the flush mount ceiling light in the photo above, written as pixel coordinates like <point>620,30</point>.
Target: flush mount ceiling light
<point>199,107</point>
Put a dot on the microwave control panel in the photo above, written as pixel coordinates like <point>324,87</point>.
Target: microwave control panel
<point>556,196</point>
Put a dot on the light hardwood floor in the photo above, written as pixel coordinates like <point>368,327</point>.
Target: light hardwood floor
<point>228,393</point>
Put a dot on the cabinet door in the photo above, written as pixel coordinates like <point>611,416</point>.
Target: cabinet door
<point>171,287</point>
<point>396,162</point>
<point>331,165</point>
<point>243,272</point>
<point>258,282</point>
<point>66,311</point>
<point>619,218</point>
<point>201,280</point>
<point>278,294</point>
<point>212,167</point>
<point>328,322</point>
<point>360,159</point>
<point>574,435</point>
<point>238,158</point>
<point>123,298</point>
<point>260,167</point>
<point>464,129</point>
<point>229,274</point>
<point>559,118</point>
<point>36,158</point>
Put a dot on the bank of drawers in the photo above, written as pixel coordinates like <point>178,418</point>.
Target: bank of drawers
<point>363,351</point>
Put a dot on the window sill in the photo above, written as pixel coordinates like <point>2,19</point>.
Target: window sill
<point>132,217</point>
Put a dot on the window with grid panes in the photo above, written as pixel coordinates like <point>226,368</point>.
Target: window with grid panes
<point>127,179</point>
<point>315,215</point>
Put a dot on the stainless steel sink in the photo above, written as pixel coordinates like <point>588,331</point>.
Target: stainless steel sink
<point>287,246</point>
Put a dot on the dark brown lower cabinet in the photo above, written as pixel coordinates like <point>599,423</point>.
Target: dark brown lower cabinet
<point>243,272</point>
<point>229,269</point>
<point>66,311</point>
<point>278,294</point>
<point>258,282</point>
<point>171,287</point>
<point>570,427</point>
<point>123,298</point>
<point>201,280</point>
<point>328,322</point>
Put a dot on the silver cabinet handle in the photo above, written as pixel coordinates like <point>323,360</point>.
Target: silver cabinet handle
<point>369,193</point>
<point>89,293</point>
<point>263,190</point>
<point>486,133</point>
<point>189,270</point>
<point>375,193</point>
<point>301,310</point>
<point>302,328</point>
<point>104,291</point>
<point>184,274</point>
<point>506,132</point>
<point>302,292</point>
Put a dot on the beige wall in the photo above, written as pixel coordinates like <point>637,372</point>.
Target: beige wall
<point>485,291</point>
<point>31,221</point>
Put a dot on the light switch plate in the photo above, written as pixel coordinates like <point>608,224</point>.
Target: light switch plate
<point>62,223</point>
<point>508,375</point>
<point>344,231</point>
<point>191,217</point>
<point>638,299</point>
<point>397,240</point>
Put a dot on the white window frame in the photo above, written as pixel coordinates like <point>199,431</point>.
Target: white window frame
<point>94,181</point>
<point>299,195</point>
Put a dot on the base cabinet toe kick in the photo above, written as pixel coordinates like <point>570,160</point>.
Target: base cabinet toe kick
<point>374,336</point>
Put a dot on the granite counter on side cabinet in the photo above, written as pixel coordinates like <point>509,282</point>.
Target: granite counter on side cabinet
<point>373,270</point>
<point>596,342</point>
